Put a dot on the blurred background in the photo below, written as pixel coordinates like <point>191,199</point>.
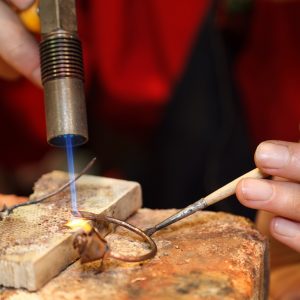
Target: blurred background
<point>179,94</point>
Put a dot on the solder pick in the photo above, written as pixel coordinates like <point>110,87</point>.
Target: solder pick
<point>218,195</point>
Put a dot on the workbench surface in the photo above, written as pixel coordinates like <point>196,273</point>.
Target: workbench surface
<point>206,256</point>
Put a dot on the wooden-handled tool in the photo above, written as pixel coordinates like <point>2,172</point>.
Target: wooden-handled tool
<point>218,195</point>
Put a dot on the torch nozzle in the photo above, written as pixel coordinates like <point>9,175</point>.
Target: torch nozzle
<point>62,73</point>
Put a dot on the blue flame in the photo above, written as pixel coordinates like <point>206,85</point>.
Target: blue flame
<point>70,159</point>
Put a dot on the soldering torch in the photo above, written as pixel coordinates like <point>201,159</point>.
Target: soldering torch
<point>62,76</point>
<point>62,73</point>
<point>61,68</point>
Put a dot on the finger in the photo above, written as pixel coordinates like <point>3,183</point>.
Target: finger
<point>21,4</point>
<point>279,158</point>
<point>18,47</point>
<point>278,197</point>
<point>286,231</point>
<point>7,72</point>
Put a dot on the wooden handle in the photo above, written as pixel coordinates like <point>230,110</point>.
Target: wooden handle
<point>229,189</point>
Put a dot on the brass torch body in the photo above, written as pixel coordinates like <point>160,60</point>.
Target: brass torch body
<point>62,73</point>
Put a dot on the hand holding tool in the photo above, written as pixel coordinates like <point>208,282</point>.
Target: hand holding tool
<point>218,195</point>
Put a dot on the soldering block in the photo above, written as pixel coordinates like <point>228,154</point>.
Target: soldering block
<point>35,243</point>
<point>207,256</point>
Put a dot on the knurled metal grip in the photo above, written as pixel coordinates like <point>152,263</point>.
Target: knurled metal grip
<point>61,56</point>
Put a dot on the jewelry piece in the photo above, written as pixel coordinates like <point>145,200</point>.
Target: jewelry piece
<point>92,246</point>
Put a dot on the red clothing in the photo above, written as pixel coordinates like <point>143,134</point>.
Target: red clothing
<point>138,48</point>
<point>269,71</point>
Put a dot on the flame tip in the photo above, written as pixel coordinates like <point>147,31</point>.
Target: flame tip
<point>79,223</point>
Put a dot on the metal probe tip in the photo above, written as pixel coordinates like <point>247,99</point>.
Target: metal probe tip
<point>189,210</point>
<point>218,195</point>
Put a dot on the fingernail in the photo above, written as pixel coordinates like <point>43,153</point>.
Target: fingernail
<point>271,155</point>
<point>285,227</point>
<point>256,190</point>
<point>22,4</point>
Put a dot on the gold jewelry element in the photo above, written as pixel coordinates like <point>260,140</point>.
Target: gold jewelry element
<point>92,246</point>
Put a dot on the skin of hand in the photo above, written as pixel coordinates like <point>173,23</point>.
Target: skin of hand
<point>19,53</point>
<point>277,196</point>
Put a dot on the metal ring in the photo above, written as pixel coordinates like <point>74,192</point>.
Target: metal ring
<point>136,230</point>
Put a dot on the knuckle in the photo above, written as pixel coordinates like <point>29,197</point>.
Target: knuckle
<point>294,150</point>
<point>295,199</point>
